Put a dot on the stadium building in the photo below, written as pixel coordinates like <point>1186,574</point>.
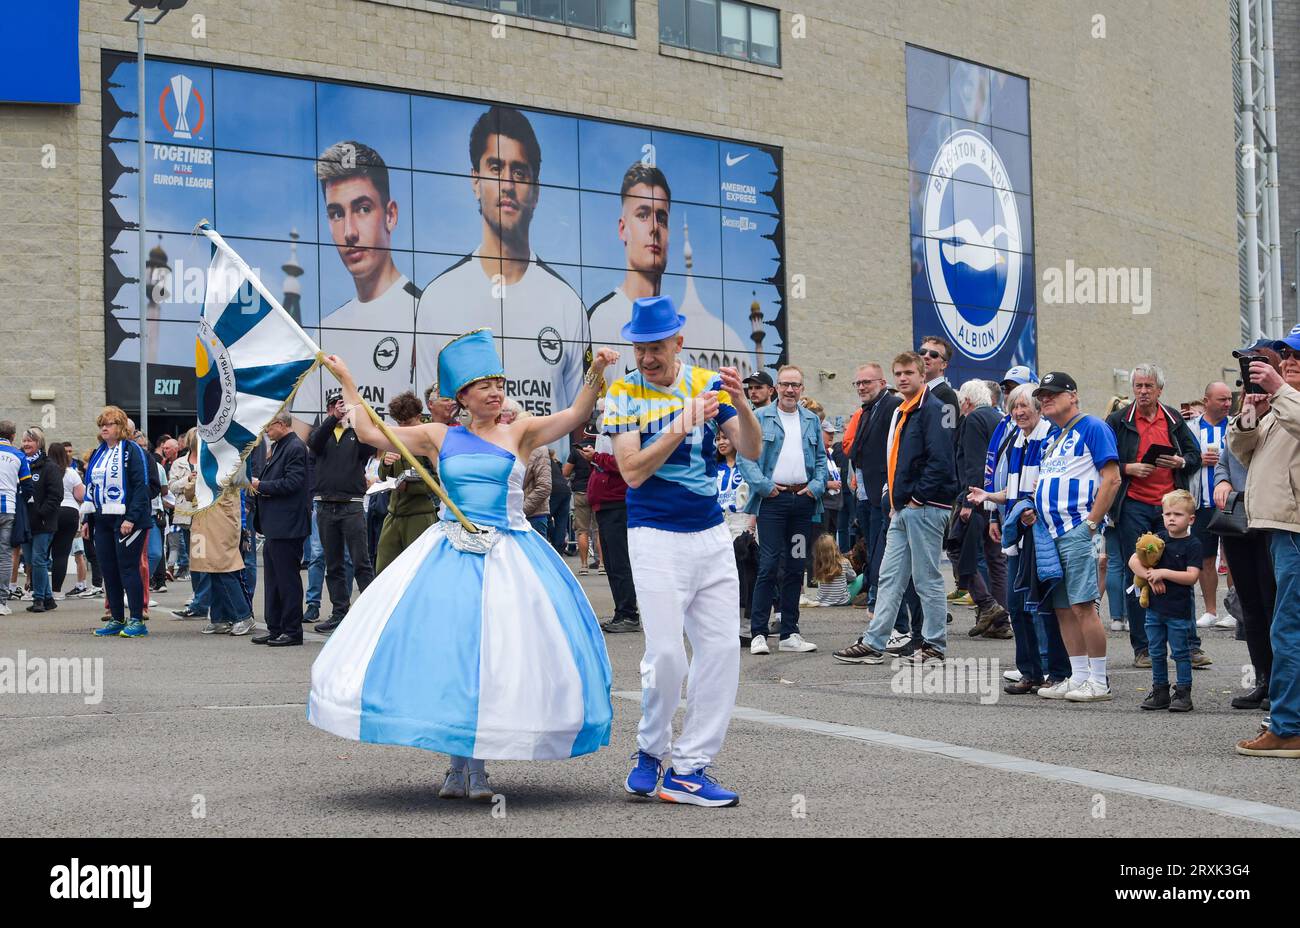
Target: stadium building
<point>822,183</point>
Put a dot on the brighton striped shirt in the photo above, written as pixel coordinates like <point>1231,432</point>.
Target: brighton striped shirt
<point>1211,436</point>
<point>1070,472</point>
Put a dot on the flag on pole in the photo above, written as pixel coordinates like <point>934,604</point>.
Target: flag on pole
<point>249,358</point>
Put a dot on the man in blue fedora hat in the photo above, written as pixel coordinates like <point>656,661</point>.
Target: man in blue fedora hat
<point>664,418</point>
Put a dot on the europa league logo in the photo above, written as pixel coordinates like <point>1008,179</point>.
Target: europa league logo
<point>181,87</point>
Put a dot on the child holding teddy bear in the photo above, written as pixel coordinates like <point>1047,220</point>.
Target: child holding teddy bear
<point>1170,617</point>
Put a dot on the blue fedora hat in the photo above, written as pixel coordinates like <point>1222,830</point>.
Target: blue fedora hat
<point>653,318</point>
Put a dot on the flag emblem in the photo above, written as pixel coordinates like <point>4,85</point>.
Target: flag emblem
<point>249,357</point>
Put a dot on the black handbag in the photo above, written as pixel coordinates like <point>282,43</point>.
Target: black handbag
<point>1231,520</point>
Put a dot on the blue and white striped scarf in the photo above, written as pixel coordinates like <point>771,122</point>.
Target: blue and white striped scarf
<point>107,484</point>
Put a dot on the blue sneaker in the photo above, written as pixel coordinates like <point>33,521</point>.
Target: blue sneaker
<point>644,776</point>
<point>697,789</point>
<point>109,629</point>
<point>136,629</point>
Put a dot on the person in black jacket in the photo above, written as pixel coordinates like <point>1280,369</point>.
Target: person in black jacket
<point>921,487</point>
<point>865,440</point>
<point>979,419</point>
<point>937,354</point>
<point>340,471</point>
<point>42,516</point>
<point>1137,508</point>
<point>282,513</point>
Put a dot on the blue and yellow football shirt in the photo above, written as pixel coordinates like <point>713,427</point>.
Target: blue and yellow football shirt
<point>682,495</point>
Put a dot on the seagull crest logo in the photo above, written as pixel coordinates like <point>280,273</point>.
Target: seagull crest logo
<point>973,244</point>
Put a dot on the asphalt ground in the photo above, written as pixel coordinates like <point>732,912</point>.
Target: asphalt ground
<point>199,735</point>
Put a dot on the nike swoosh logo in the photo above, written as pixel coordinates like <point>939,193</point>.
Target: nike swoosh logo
<point>690,787</point>
<point>732,162</point>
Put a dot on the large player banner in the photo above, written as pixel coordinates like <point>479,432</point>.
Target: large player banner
<point>389,222</point>
<point>972,241</point>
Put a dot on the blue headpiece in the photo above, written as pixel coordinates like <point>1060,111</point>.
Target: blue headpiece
<point>467,359</point>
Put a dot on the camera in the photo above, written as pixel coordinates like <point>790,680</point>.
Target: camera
<point>1244,359</point>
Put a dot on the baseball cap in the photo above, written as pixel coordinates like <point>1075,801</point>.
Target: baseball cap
<point>829,426</point>
<point>762,377</point>
<point>333,395</point>
<point>1057,382</point>
<point>1291,341</point>
<point>1019,375</point>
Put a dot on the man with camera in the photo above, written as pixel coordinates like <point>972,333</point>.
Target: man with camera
<point>1266,438</point>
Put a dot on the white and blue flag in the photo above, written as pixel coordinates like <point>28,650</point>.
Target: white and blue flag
<point>249,358</point>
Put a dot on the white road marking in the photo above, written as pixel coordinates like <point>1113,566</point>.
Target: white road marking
<point>1276,816</point>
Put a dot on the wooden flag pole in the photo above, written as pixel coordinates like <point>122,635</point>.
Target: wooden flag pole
<point>410,459</point>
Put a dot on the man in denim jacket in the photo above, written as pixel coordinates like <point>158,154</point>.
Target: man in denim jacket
<point>786,485</point>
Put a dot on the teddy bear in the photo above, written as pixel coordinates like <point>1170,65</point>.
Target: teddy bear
<point>1150,548</point>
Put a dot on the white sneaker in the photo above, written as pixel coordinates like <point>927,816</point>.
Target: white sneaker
<point>153,603</point>
<point>1207,620</point>
<point>758,645</point>
<point>1091,691</point>
<point>5,610</point>
<point>1226,622</point>
<point>795,643</point>
<point>91,592</point>
<point>58,597</point>
<point>1012,676</point>
<point>898,640</point>
<point>1117,625</point>
<point>1058,691</point>
<point>805,601</point>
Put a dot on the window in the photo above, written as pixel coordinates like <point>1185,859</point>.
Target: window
<point>581,13</point>
<point>764,45</point>
<point>549,10</point>
<point>612,16</point>
<point>616,17</point>
<point>702,25</point>
<point>735,29</point>
<point>672,22</point>
<point>722,27</point>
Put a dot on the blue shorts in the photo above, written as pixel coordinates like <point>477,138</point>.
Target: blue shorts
<point>1078,553</point>
<point>1209,541</point>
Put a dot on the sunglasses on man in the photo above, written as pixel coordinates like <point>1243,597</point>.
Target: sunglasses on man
<point>929,353</point>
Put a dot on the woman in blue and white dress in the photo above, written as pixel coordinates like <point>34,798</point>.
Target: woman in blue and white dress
<point>478,645</point>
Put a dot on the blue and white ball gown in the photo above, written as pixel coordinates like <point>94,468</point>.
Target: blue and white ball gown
<point>493,655</point>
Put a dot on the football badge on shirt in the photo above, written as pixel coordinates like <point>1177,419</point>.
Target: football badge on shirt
<point>550,345</point>
<point>385,354</point>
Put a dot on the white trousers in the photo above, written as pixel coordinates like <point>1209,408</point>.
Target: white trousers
<point>686,581</point>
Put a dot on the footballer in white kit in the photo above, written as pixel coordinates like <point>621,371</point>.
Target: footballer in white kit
<point>645,201</point>
<point>538,319</point>
<point>380,334</point>
<point>377,326</point>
